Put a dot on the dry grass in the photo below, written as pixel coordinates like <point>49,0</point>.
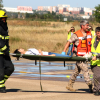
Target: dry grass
<point>48,36</point>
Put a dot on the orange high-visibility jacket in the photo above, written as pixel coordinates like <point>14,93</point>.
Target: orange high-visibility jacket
<point>84,45</point>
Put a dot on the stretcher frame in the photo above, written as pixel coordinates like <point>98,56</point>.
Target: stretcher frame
<point>58,57</point>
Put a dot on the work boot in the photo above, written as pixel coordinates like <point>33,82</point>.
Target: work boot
<point>70,86</point>
<point>90,88</point>
<point>96,93</point>
<point>2,90</point>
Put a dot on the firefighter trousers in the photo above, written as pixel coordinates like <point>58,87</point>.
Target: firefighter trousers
<point>6,68</point>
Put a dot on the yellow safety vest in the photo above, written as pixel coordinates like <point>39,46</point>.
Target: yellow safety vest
<point>69,36</point>
<point>93,33</point>
<point>95,52</point>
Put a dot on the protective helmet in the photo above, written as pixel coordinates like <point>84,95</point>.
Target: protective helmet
<point>2,14</point>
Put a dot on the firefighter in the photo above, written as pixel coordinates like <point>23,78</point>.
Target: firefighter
<point>6,65</point>
<point>82,46</point>
<point>95,62</point>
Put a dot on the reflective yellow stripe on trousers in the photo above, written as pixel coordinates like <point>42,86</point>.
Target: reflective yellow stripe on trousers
<point>2,84</point>
<point>6,77</point>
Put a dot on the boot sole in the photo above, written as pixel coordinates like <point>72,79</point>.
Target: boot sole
<point>2,91</point>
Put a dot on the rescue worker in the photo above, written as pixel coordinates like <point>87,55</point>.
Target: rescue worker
<point>95,62</point>
<point>92,31</point>
<point>6,65</point>
<point>70,33</point>
<point>82,45</point>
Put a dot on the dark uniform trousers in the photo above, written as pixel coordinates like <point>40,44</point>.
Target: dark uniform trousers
<point>6,66</point>
<point>96,77</point>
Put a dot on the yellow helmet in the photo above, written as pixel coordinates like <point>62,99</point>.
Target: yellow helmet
<point>2,14</point>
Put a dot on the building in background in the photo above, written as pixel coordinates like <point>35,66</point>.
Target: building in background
<point>40,8</point>
<point>46,8</point>
<point>60,10</point>
<point>9,9</point>
<point>74,10</point>
<point>24,8</point>
<point>20,9</point>
<point>66,9</point>
<point>87,11</point>
<point>55,9</point>
<point>50,9</point>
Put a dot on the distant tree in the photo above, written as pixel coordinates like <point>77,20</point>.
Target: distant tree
<point>97,13</point>
<point>1,5</point>
<point>53,13</point>
<point>91,18</point>
<point>49,12</point>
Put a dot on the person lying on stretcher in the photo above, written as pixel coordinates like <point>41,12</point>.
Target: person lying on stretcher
<point>33,51</point>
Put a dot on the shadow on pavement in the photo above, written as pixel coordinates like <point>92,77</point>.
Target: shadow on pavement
<point>77,91</point>
<point>13,90</point>
<point>87,91</point>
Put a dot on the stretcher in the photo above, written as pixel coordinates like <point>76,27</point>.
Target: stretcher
<point>58,57</point>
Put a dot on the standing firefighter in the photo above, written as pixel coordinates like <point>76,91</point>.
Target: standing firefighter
<point>82,45</point>
<point>6,66</point>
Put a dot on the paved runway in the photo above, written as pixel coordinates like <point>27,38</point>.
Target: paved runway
<point>24,87</point>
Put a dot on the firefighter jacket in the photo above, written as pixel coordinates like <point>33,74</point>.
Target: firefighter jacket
<point>4,38</point>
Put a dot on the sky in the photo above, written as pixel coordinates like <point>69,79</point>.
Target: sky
<point>35,3</point>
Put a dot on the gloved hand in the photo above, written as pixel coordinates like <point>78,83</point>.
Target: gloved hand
<point>63,53</point>
<point>88,55</point>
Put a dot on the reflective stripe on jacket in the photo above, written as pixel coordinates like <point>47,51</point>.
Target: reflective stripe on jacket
<point>2,49</point>
<point>5,47</point>
<point>4,37</point>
